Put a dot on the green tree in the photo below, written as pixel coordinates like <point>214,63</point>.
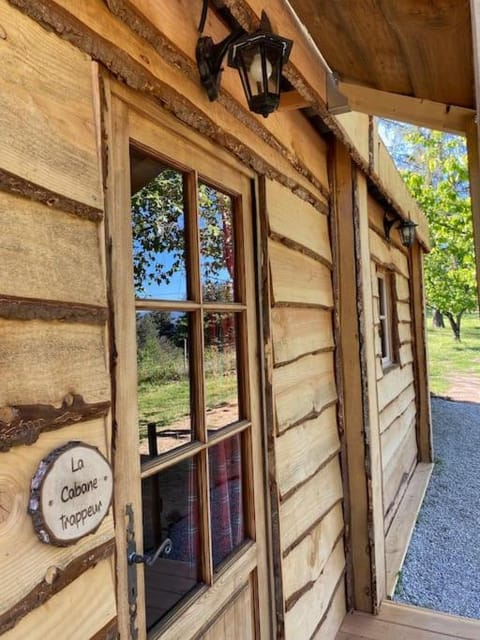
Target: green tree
<point>434,167</point>
<point>158,226</point>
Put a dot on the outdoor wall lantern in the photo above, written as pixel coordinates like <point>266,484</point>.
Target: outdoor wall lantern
<point>259,58</point>
<point>406,227</point>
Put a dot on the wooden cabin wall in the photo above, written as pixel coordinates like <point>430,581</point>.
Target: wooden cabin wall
<point>306,442</point>
<point>397,403</point>
<point>55,384</point>
<point>54,306</point>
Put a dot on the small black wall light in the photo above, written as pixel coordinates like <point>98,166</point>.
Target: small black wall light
<point>406,227</point>
<point>259,58</point>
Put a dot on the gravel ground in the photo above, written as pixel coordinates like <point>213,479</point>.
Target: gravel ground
<point>442,567</point>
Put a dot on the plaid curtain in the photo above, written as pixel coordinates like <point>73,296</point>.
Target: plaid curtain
<point>226,498</point>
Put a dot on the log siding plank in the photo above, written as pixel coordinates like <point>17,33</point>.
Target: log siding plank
<point>87,618</point>
<point>309,505</point>
<point>51,140</point>
<point>298,331</point>
<point>299,279</point>
<point>58,253</point>
<point>69,358</point>
<point>303,450</point>
<point>303,389</point>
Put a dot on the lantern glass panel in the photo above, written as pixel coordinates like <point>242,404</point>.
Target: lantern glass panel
<point>407,232</point>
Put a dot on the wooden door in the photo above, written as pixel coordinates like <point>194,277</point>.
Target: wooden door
<point>189,475</point>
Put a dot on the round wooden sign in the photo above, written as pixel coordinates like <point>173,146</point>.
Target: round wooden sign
<point>71,493</point>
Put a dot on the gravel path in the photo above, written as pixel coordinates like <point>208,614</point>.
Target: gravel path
<point>442,567</point>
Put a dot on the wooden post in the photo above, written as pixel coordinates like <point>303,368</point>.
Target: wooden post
<point>473,133</point>
<point>417,305</point>
<point>474,171</point>
<point>358,415</point>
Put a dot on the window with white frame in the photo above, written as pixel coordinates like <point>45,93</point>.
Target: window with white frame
<point>386,317</point>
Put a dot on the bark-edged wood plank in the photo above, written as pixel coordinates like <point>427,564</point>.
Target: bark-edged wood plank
<point>300,575</point>
<point>22,424</point>
<point>48,254</point>
<point>297,331</point>
<point>299,279</point>
<point>302,450</point>
<point>68,359</point>
<point>309,504</point>
<point>302,620</point>
<point>50,141</point>
<point>88,617</point>
<point>303,389</point>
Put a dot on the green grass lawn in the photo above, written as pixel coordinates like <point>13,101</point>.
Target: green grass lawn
<point>447,357</point>
<point>169,401</point>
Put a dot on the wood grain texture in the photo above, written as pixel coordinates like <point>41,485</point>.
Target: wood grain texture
<point>403,311</point>
<point>236,621</point>
<point>309,504</point>
<point>403,622</point>
<point>473,147</point>
<point>299,574</point>
<point>302,620</point>
<point>15,185</point>
<point>420,357</point>
<point>299,331</point>
<point>441,623</point>
<point>13,308</point>
<point>299,279</point>
<point>39,566</point>
<point>50,141</point>
<point>201,612</point>
<point>401,529</point>
<point>336,612</point>
<point>365,305</point>
<point>393,383</point>
<point>396,407</point>
<point>405,354</point>
<point>444,31</point>
<point>417,111</point>
<point>303,389</point>
<point>48,254</point>
<point>292,219</point>
<point>265,313</point>
<point>356,127</point>
<point>69,358</point>
<point>387,255</point>
<point>302,450</point>
<point>348,371</point>
<point>396,476</point>
<point>392,438</point>
<point>22,424</point>
<point>402,287</point>
<point>85,619</point>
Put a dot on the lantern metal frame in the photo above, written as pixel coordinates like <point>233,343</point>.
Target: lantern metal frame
<point>406,228</point>
<point>210,57</point>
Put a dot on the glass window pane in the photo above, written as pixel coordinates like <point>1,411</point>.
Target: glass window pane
<point>171,510</point>
<point>158,228</point>
<point>226,498</point>
<point>217,259</point>
<point>163,382</point>
<point>221,377</point>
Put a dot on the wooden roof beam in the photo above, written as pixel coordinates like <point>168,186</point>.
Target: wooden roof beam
<point>418,111</point>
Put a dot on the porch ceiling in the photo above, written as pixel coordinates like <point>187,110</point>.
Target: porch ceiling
<point>420,49</point>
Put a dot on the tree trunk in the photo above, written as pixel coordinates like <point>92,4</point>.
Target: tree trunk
<point>455,323</point>
<point>437,319</point>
